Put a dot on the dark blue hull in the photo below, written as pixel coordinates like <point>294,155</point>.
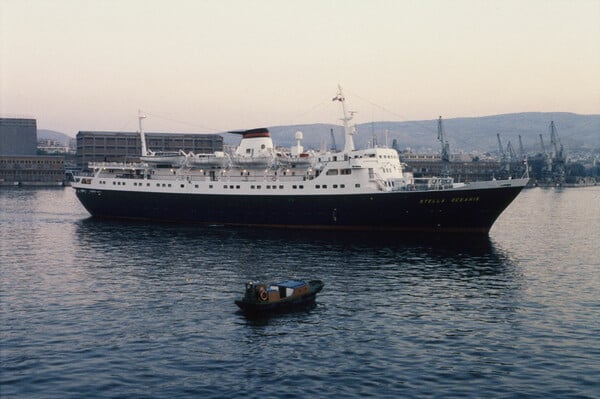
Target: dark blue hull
<point>467,210</point>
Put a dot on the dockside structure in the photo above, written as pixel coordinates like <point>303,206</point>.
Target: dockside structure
<point>19,164</point>
<point>102,146</point>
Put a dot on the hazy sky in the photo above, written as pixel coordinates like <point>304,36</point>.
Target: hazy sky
<point>216,65</point>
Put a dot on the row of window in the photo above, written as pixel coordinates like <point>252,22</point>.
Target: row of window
<point>31,161</point>
<point>231,186</point>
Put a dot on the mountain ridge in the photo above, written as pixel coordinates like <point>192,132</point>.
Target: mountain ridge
<point>464,134</point>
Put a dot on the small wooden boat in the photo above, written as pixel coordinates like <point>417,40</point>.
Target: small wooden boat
<point>279,297</point>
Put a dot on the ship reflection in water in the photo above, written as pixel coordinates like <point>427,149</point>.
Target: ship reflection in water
<point>274,253</point>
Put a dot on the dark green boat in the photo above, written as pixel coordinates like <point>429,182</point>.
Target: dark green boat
<point>278,297</point>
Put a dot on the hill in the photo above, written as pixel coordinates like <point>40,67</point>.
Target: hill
<point>576,132</point>
<point>45,134</point>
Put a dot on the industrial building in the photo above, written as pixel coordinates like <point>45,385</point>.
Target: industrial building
<point>18,136</point>
<point>32,170</point>
<point>96,146</point>
<point>463,171</point>
<point>19,164</point>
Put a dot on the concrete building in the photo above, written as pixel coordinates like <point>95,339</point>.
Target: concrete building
<point>126,146</point>
<point>423,165</point>
<point>18,136</point>
<point>19,164</point>
<point>35,170</point>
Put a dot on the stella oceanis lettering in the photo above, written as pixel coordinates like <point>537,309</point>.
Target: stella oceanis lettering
<point>429,201</point>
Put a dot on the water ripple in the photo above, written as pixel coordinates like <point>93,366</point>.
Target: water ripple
<point>109,309</point>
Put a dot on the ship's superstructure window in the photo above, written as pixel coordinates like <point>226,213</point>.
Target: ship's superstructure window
<point>332,172</point>
<point>345,171</point>
<point>357,185</point>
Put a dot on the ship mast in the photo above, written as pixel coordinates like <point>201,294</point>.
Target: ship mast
<point>348,131</point>
<point>142,135</point>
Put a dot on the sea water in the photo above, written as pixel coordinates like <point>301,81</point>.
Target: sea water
<point>93,308</point>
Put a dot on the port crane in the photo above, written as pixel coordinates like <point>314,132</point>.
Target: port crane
<point>511,152</point>
<point>445,154</point>
<point>558,155</point>
<point>503,156</point>
<point>547,162</point>
<point>521,152</point>
<point>442,138</point>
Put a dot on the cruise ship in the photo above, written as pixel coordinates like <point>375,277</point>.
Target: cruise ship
<point>258,185</point>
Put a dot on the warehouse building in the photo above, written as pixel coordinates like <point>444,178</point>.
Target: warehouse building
<point>18,136</point>
<point>35,170</point>
<point>95,146</point>
<point>19,164</point>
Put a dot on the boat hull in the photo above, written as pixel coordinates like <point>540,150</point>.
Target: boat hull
<point>466,210</point>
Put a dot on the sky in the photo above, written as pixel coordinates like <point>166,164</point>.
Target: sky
<point>210,66</point>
